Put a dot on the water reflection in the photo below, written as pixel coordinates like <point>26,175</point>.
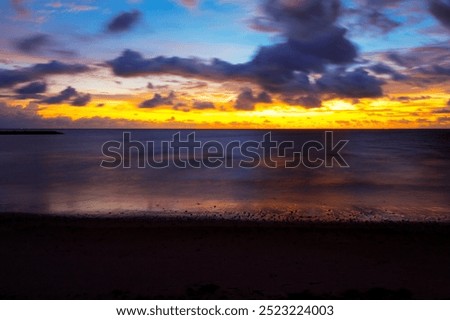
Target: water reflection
<point>404,172</point>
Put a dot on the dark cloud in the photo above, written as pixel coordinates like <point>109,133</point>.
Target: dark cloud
<point>383,69</point>
<point>150,85</point>
<point>32,88</point>
<point>247,101</point>
<point>421,56</point>
<point>33,43</point>
<point>124,21</point>
<point>158,100</point>
<point>432,61</point>
<point>81,100</point>
<point>407,99</point>
<point>203,105</point>
<point>308,101</point>
<point>442,111</point>
<point>41,43</point>
<point>180,106</point>
<point>68,95</point>
<point>9,78</point>
<point>306,49</point>
<point>63,96</point>
<point>351,84</point>
<point>302,19</point>
<point>312,43</point>
<point>56,67</point>
<point>310,55</point>
<point>278,68</point>
<point>132,63</point>
<point>400,60</point>
<point>441,11</point>
<point>436,70</point>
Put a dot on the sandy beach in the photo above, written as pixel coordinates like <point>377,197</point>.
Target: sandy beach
<point>51,257</point>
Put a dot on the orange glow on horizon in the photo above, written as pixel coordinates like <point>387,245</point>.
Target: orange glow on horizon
<point>333,114</point>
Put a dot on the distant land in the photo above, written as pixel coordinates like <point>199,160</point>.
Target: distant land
<point>29,132</point>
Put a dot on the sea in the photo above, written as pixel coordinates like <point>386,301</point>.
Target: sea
<point>270,175</point>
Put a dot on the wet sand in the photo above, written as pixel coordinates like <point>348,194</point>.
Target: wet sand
<point>48,257</point>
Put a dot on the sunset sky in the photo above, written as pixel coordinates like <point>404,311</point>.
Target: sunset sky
<point>225,64</point>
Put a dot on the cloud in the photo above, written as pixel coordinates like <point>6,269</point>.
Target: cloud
<point>180,106</point>
<point>372,16</point>
<point>15,117</point>
<point>352,84</point>
<point>81,100</point>
<point>189,3</point>
<point>68,95</point>
<point>442,111</point>
<point>158,100</point>
<point>277,68</point>
<point>308,101</point>
<point>33,43</point>
<point>63,96</point>
<point>312,44</point>
<point>195,84</point>
<point>40,43</point>
<point>377,19</point>
<point>247,101</point>
<point>283,67</point>
<point>440,9</point>
<point>56,67</point>
<point>132,63</point>
<point>435,70</point>
<point>124,21</point>
<point>420,56</point>
<point>301,19</point>
<point>383,69</point>
<point>426,60</point>
<point>203,105</point>
<point>9,78</point>
<point>32,88</point>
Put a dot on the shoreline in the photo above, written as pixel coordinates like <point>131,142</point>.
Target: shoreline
<point>200,219</point>
<point>48,257</point>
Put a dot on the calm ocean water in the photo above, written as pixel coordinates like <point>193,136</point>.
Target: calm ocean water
<point>393,175</point>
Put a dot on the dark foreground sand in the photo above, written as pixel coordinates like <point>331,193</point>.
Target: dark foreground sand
<point>56,257</point>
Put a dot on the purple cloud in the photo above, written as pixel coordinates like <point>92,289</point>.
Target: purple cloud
<point>124,21</point>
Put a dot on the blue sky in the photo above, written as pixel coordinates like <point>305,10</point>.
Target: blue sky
<point>168,27</point>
